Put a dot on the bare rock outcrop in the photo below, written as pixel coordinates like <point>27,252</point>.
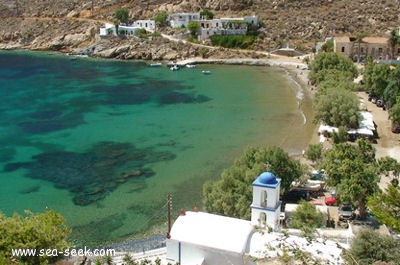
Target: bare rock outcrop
<point>73,26</point>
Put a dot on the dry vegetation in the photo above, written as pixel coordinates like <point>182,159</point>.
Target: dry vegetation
<point>43,24</point>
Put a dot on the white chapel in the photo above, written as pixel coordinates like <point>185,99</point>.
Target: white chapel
<point>199,238</point>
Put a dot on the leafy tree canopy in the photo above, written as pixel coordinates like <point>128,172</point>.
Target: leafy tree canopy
<point>385,205</point>
<point>34,231</point>
<point>161,18</point>
<point>122,15</point>
<point>306,217</point>
<point>392,90</point>
<point>233,41</point>
<point>376,77</point>
<point>207,14</point>
<point>337,107</point>
<point>394,112</point>
<point>330,60</point>
<point>353,169</point>
<point>193,27</point>
<point>232,194</point>
<point>314,152</point>
<point>369,247</point>
<point>334,78</point>
<point>327,46</point>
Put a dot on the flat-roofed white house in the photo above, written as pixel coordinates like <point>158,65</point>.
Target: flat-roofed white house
<point>225,26</point>
<point>221,26</point>
<point>128,30</point>
<point>145,24</point>
<point>199,238</point>
<point>211,27</point>
<point>179,20</point>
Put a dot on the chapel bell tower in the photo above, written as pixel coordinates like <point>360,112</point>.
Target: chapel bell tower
<point>266,206</point>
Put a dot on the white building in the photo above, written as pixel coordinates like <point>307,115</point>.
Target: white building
<point>129,30</point>
<point>266,206</point>
<point>203,238</point>
<point>145,24</point>
<point>182,19</point>
<point>199,238</point>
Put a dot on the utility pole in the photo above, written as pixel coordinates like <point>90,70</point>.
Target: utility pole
<point>169,208</point>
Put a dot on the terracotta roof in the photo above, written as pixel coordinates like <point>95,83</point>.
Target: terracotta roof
<point>376,40</point>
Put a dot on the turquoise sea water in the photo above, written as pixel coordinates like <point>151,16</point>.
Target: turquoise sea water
<point>103,142</point>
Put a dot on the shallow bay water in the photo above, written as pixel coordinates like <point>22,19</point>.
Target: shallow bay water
<point>103,141</point>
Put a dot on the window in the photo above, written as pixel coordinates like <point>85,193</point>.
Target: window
<point>343,49</point>
<point>362,49</point>
<point>263,219</point>
<point>263,202</point>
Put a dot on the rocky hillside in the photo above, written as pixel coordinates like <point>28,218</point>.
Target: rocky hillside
<point>74,25</point>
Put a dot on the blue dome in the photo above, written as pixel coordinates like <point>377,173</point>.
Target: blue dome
<point>267,178</point>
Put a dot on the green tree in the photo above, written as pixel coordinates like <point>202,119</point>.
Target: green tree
<point>337,107</point>
<point>385,205</point>
<point>334,78</point>
<point>232,194</point>
<point>341,136</point>
<point>207,14</point>
<point>161,18</point>
<point>376,77</point>
<point>34,231</point>
<point>327,46</point>
<point>388,164</point>
<point>122,15</point>
<point>393,41</point>
<point>306,217</point>
<point>353,169</point>
<point>392,90</point>
<point>368,247</point>
<point>314,152</point>
<point>193,28</point>
<point>394,112</point>
<point>330,60</point>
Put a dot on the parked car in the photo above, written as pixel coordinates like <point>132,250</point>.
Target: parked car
<point>295,196</point>
<point>380,103</point>
<point>346,212</point>
<point>331,200</point>
<point>396,128</point>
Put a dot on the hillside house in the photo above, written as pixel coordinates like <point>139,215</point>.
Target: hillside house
<point>210,27</point>
<point>128,30</point>
<point>145,24</point>
<point>179,20</point>
<point>376,47</point>
<point>225,26</point>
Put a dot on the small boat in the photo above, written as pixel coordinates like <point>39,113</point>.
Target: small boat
<point>190,65</point>
<point>206,72</point>
<point>174,68</point>
<point>155,64</point>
